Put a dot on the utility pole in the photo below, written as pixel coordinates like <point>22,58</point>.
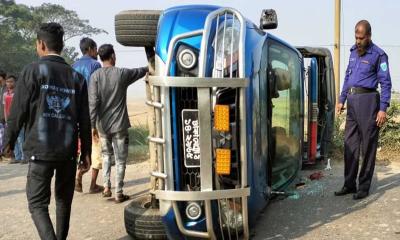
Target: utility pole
<point>336,50</point>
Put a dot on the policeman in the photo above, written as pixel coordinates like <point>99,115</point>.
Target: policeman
<point>366,109</point>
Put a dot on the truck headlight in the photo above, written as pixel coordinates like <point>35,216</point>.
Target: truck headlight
<point>193,210</point>
<point>232,217</point>
<point>227,45</point>
<point>187,59</point>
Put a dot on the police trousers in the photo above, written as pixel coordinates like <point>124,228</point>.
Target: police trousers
<point>38,191</point>
<point>361,138</point>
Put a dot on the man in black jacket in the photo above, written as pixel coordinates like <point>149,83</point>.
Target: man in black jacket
<point>51,102</point>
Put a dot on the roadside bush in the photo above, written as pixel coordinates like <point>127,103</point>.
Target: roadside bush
<point>138,144</point>
<point>389,135</point>
<point>338,132</point>
<point>138,135</point>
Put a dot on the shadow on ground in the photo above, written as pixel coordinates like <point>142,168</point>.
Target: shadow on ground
<point>137,181</point>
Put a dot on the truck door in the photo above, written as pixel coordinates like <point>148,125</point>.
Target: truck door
<point>319,99</point>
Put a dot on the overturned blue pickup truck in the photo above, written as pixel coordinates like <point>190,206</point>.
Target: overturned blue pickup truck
<point>237,112</point>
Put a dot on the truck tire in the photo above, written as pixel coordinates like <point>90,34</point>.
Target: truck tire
<point>137,28</point>
<point>142,221</point>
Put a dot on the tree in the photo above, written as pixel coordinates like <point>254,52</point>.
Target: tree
<point>17,47</point>
<point>70,54</point>
<point>73,25</point>
<point>18,24</point>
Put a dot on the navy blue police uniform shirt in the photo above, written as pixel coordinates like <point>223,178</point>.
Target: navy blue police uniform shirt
<point>368,71</point>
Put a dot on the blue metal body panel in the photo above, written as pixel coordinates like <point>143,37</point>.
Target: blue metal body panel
<point>314,81</point>
<point>312,115</point>
<point>178,20</point>
<point>170,226</point>
<point>256,200</point>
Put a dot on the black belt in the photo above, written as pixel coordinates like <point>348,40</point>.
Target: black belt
<point>359,90</point>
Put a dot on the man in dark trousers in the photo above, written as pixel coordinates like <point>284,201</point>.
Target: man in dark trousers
<point>366,109</point>
<point>51,102</point>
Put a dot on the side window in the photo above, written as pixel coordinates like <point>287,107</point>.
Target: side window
<point>284,78</point>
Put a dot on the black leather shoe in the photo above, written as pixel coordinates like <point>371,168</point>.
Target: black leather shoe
<point>360,195</point>
<point>345,190</point>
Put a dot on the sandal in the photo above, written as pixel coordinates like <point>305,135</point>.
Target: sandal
<point>106,194</point>
<point>96,189</point>
<point>121,198</point>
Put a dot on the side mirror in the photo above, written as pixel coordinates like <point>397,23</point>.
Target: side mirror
<point>269,19</point>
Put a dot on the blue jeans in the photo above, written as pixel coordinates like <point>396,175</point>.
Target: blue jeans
<point>117,143</point>
<point>18,152</point>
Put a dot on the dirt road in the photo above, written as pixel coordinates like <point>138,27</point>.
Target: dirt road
<point>93,217</point>
<point>314,213</point>
<point>309,213</point>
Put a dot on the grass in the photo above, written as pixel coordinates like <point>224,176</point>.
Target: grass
<point>138,153</point>
<point>138,150</point>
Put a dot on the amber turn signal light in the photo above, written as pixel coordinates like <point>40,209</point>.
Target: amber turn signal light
<point>221,118</point>
<point>223,161</point>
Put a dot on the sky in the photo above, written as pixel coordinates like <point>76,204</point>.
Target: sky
<point>300,23</point>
